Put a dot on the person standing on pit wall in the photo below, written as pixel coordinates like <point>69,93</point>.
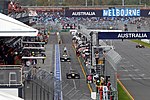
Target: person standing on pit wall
<point>43,55</point>
<point>96,57</point>
<point>65,49</point>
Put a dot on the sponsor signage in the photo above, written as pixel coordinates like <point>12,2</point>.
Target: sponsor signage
<point>145,13</point>
<point>123,35</point>
<point>113,12</point>
<point>127,12</point>
<point>83,13</point>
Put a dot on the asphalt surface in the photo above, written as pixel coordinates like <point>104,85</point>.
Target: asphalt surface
<point>134,70</point>
<point>74,89</point>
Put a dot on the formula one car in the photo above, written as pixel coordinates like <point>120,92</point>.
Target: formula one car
<point>140,46</point>
<point>73,75</point>
<point>65,57</point>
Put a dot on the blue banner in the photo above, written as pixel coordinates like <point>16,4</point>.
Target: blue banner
<point>127,12</point>
<point>123,35</point>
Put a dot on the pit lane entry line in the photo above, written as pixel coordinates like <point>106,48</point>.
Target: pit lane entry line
<point>82,69</point>
<point>125,89</point>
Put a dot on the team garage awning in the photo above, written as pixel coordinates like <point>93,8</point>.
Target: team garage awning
<point>13,27</point>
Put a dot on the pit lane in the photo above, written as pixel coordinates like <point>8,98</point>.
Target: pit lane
<point>74,89</point>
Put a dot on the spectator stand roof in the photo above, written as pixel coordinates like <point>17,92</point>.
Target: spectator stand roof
<point>13,27</point>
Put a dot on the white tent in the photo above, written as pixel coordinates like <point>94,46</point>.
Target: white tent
<point>5,96</point>
<point>13,27</point>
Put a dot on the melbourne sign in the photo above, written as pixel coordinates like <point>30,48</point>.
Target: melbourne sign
<point>127,12</point>
<point>123,35</point>
<point>83,13</point>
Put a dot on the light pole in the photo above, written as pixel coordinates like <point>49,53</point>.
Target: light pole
<point>86,3</point>
<point>91,35</point>
<point>92,2</point>
<point>139,2</point>
<point>122,2</point>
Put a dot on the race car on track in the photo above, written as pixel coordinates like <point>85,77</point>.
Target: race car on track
<point>140,46</point>
<point>73,74</point>
<point>65,57</point>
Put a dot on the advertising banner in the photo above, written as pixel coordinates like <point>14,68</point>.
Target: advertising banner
<point>83,13</point>
<point>114,12</point>
<point>121,12</point>
<point>126,12</point>
<point>123,35</point>
<point>145,13</point>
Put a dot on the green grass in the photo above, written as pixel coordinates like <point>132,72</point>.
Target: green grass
<point>122,95</point>
<point>141,42</point>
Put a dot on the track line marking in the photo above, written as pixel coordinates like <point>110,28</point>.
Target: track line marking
<point>126,70</point>
<point>146,78</point>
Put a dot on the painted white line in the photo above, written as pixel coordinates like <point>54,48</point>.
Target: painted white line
<point>127,66</point>
<point>126,62</point>
<point>74,83</point>
<point>69,92</point>
<point>64,86</point>
<point>74,93</point>
<point>134,76</point>
<point>126,70</point>
<point>139,78</point>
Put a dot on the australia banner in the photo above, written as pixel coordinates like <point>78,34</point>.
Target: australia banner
<point>123,35</point>
<point>83,13</point>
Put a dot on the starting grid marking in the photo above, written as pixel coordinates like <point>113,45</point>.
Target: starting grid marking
<point>134,77</point>
<point>138,78</point>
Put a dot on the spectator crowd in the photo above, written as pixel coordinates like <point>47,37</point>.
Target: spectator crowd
<point>15,7</point>
<point>9,55</point>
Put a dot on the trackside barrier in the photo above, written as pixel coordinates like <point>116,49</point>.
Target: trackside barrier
<point>11,75</point>
<point>35,89</point>
<point>42,88</point>
<point>114,59</point>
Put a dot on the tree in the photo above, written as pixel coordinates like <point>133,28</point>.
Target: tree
<point>104,2</point>
<point>97,2</point>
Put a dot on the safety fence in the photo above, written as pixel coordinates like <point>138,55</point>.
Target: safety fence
<point>41,87</point>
